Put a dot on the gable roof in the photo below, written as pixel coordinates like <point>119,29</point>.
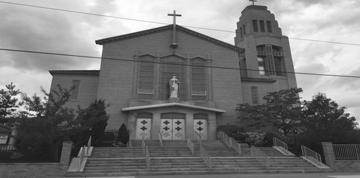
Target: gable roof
<point>134,108</point>
<point>165,28</point>
<point>74,72</point>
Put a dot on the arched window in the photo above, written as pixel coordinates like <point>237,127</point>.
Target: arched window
<point>199,79</point>
<point>146,76</point>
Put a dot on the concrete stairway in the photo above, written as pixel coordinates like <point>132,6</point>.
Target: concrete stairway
<point>215,148</point>
<point>175,158</point>
<point>117,152</point>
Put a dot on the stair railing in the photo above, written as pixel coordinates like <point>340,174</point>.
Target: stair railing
<point>229,142</point>
<point>198,137</point>
<point>279,143</point>
<point>143,145</point>
<point>310,154</point>
<point>190,145</point>
<point>205,156</point>
<point>160,139</point>
<point>88,146</point>
<point>147,157</point>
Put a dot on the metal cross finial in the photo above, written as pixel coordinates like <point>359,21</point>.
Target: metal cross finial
<point>174,15</point>
<point>253,2</point>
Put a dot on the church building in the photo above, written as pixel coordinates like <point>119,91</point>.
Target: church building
<point>175,83</point>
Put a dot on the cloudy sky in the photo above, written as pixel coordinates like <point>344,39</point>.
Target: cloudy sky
<point>47,30</point>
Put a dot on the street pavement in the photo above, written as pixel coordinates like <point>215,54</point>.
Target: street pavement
<point>304,175</point>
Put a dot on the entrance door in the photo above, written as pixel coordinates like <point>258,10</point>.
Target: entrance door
<point>143,128</point>
<point>173,129</point>
<point>200,128</point>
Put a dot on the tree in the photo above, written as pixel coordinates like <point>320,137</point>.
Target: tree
<point>90,121</point>
<point>324,120</point>
<point>9,101</point>
<point>40,133</point>
<point>281,112</point>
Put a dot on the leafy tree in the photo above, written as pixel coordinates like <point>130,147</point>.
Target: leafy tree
<point>281,112</point>
<point>325,120</point>
<point>90,121</point>
<point>41,132</point>
<point>9,101</point>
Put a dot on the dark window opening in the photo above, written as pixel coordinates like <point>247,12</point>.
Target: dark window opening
<point>255,25</point>
<point>269,26</point>
<point>262,26</point>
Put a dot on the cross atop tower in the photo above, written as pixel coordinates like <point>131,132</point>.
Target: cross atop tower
<point>174,15</point>
<point>253,2</point>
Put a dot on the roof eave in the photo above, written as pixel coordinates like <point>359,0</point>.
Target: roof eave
<point>134,108</point>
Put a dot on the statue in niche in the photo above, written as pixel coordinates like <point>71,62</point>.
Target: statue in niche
<point>174,87</point>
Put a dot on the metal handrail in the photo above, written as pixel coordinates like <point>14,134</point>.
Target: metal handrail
<point>88,146</point>
<point>147,157</point>
<point>309,153</point>
<point>198,137</point>
<point>347,151</point>
<point>229,142</point>
<point>82,155</point>
<point>191,146</point>
<point>143,145</point>
<point>205,156</point>
<point>160,139</point>
<point>279,143</point>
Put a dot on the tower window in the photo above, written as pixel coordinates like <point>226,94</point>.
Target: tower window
<point>255,25</point>
<point>254,95</point>
<point>269,26</point>
<point>244,29</point>
<point>261,64</point>
<point>262,26</point>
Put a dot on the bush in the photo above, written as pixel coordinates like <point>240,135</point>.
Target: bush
<point>123,134</point>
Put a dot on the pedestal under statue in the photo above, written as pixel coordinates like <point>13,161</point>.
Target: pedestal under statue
<point>174,88</point>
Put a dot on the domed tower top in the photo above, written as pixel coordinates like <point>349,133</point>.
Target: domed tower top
<point>257,20</point>
<point>266,64</point>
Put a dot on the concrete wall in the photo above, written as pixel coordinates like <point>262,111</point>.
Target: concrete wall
<point>338,165</point>
<point>87,88</point>
<point>116,82</point>
<point>38,170</point>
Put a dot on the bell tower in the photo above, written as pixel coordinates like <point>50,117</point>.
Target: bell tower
<point>267,55</point>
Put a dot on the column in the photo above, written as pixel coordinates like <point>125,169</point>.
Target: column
<point>155,127</point>
<point>132,126</point>
<point>329,153</point>
<point>189,126</point>
<point>65,153</point>
<point>212,126</point>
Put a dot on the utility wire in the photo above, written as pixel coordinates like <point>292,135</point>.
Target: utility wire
<point>180,64</point>
<point>162,23</point>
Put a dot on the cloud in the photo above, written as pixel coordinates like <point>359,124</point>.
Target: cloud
<point>348,84</point>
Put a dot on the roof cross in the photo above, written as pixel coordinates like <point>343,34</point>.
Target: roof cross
<point>174,15</point>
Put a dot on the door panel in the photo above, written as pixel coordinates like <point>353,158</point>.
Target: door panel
<point>166,129</point>
<point>173,129</point>
<point>178,129</point>
<point>200,128</point>
<point>143,128</point>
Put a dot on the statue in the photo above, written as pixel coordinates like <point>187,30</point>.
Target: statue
<point>174,87</point>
